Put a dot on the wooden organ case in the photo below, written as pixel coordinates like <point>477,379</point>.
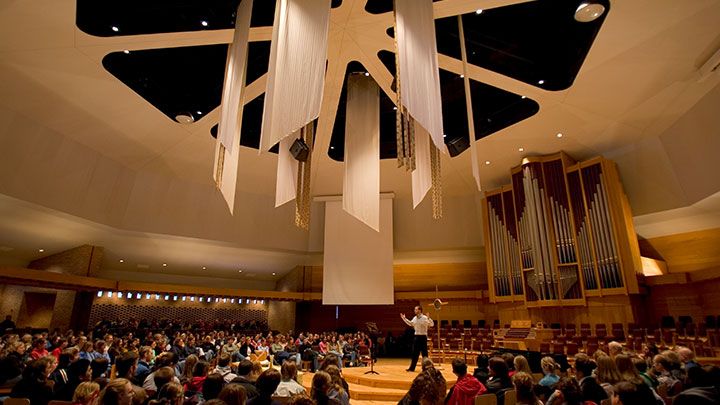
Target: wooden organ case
<point>561,232</point>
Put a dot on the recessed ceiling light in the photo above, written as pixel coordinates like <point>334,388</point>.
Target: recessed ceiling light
<point>199,112</point>
<point>41,250</point>
<point>332,148</point>
<point>115,29</point>
<point>444,136</point>
<point>122,261</point>
<point>487,162</point>
<point>367,74</point>
<point>541,81</point>
<point>126,51</point>
<point>204,268</point>
<point>394,108</point>
<point>559,135</point>
<point>524,97</point>
<point>239,271</point>
<point>164,264</point>
<point>273,274</point>
<point>462,76</point>
<point>589,11</point>
<point>204,23</point>
<point>184,118</point>
<point>521,149</point>
<point>478,11</point>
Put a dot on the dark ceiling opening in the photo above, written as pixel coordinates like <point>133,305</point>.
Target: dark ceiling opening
<point>530,42</point>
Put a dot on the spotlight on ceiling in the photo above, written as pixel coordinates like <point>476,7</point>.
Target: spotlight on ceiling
<point>589,11</point>
<point>185,118</point>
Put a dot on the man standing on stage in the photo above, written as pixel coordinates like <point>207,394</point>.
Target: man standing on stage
<point>420,323</point>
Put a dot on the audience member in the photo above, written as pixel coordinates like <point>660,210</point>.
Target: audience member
<point>233,394</point>
<point>523,383</point>
<point>466,387</point>
<point>288,386</point>
<point>244,373</point>
<point>266,385</point>
<point>589,387</point>
<point>86,393</point>
<point>117,392</point>
<point>34,384</point>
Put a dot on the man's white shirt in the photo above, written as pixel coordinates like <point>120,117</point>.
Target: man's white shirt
<point>420,323</point>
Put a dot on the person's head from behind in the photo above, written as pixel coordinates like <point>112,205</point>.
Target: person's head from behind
<point>224,360</point>
<point>548,365</point>
<point>162,376</point>
<point>520,363</point>
<point>459,367</point>
<point>482,361</point>
<point>425,390</point>
<point>268,382</point>
<point>427,364</point>
<point>200,369</point>
<point>99,367</point>
<point>509,360</point>
<point>320,385</point>
<point>126,364</point>
<point>288,370</point>
<point>570,391</point>
<point>212,385</point>
<point>607,371</point>
<point>86,393</point>
<point>583,365</point>
<point>498,368</point>
<point>523,383</point>
<point>39,370</point>
<point>81,370</point>
<point>614,348</point>
<point>117,392</point>
<point>245,368</point>
<point>626,393</point>
<point>301,399</point>
<point>171,393</point>
<point>232,394</point>
<point>329,360</point>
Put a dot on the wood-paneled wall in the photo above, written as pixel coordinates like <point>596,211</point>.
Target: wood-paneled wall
<point>421,277</point>
<point>685,252</point>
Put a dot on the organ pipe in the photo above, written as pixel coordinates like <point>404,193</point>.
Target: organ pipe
<point>559,232</point>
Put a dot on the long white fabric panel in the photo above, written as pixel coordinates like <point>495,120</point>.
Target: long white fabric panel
<point>419,74</point>
<point>422,175</point>
<point>296,73</point>
<point>361,186</point>
<point>232,106</point>
<point>287,171</point>
<point>357,261</point>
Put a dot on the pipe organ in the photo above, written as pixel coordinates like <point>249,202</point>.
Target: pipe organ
<point>560,232</point>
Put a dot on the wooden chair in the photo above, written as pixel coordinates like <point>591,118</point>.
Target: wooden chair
<point>56,402</point>
<point>16,401</point>
<point>486,399</point>
<point>510,397</point>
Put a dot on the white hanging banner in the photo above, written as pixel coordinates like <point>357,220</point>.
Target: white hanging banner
<point>227,146</point>
<point>419,74</point>
<point>468,104</point>
<point>422,175</point>
<point>361,186</point>
<point>296,73</point>
<point>287,171</point>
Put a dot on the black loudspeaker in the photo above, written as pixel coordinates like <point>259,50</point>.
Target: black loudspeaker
<point>458,145</point>
<point>299,150</point>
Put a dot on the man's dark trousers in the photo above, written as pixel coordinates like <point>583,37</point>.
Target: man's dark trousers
<point>419,347</point>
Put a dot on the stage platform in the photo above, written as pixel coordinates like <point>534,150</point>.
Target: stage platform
<point>388,387</point>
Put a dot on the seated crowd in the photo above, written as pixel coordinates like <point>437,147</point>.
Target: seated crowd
<point>669,377</point>
<point>158,363</point>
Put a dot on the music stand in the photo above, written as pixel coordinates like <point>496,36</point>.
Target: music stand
<point>373,331</point>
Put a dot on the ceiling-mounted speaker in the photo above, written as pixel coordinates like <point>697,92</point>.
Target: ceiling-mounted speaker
<point>299,150</point>
<point>458,145</point>
<point>711,66</point>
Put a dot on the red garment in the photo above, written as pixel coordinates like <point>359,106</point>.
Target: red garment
<point>56,353</point>
<point>38,354</point>
<point>195,384</point>
<point>465,390</point>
